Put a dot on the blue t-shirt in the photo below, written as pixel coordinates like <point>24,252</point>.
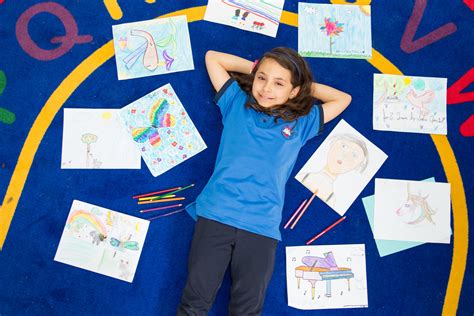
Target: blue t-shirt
<point>254,162</point>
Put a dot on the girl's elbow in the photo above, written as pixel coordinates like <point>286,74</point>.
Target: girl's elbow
<point>347,99</point>
<point>209,55</point>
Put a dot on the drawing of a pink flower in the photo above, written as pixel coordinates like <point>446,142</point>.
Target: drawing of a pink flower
<point>332,28</point>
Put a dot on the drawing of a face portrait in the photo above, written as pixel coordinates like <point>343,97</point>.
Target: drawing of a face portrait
<point>341,167</point>
<point>346,153</point>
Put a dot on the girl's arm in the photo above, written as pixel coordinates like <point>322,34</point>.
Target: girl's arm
<point>219,64</point>
<point>334,101</point>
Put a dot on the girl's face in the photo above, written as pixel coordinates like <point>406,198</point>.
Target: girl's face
<point>344,156</point>
<point>272,84</point>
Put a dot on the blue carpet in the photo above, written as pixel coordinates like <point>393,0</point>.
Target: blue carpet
<point>412,282</point>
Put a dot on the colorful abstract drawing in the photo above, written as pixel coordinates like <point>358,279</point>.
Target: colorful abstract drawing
<point>158,118</point>
<point>341,167</point>
<point>412,211</point>
<point>344,30</point>
<point>87,241</point>
<point>162,130</point>
<point>153,47</point>
<point>259,16</point>
<point>410,104</point>
<point>326,277</point>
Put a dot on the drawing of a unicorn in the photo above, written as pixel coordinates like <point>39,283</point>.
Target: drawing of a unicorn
<point>415,209</point>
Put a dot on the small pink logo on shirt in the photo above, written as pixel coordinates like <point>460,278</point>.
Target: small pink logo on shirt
<point>286,131</point>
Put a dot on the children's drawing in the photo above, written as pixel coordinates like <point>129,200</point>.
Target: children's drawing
<point>337,265</point>
<point>162,130</point>
<point>415,209</point>
<point>102,241</point>
<point>412,211</point>
<point>152,47</point>
<point>259,16</point>
<point>331,30</point>
<point>88,139</point>
<point>410,104</point>
<point>96,139</point>
<point>388,247</point>
<point>341,167</point>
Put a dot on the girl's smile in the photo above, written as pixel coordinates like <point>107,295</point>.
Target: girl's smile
<point>272,84</point>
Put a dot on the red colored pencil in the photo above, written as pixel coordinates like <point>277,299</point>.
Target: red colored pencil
<point>167,214</point>
<point>160,208</point>
<point>157,192</point>
<point>294,214</point>
<point>304,209</point>
<point>326,230</point>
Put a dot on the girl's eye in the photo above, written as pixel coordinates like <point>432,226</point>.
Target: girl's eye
<point>260,78</point>
<point>279,84</point>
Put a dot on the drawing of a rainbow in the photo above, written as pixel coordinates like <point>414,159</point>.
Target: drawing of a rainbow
<point>86,217</point>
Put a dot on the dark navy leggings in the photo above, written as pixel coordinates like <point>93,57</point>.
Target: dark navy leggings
<point>215,246</point>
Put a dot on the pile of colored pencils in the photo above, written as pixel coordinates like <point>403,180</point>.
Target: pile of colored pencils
<point>162,196</point>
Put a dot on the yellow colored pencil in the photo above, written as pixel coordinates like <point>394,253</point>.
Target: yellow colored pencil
<point>162,200</point>
<point>154,197</point>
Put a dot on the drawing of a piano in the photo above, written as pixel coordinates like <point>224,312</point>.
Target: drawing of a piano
<point>322,269</point>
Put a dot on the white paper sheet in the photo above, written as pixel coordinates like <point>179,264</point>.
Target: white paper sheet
<point>333,30</point>
<point>412,210</point>
<point>96,139</point>
<point>153,47</point>
<point>410,104</point>
<point>324,277</point>
<point>341,167</point>
<point>162,130</point>
<point>257,16</point>
<point>103,241</point>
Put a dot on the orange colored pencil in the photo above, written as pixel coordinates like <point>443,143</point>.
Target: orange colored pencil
<point>154,193</point>
<point>304,209</point>
<point>162,200</point>
<point>295,213</point>
<point>326,230</point>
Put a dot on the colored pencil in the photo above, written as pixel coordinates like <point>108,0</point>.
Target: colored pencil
<point>326,230</point>
<point>304,209</point>
<point>160,208</point>
<point>162,200</point>
<point>154,197</point>
<point>295,213</point>
<point>157,192</point>
<point>176,191</point>
<point>167,214</point>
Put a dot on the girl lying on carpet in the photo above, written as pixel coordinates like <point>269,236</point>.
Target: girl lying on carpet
<point>270,109</point>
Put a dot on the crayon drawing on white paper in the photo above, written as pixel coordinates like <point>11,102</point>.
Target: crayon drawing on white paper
<point>341,167</point>
<point>162,130</point>
<point>412,211</point>
<point>259,16</point>
<point>334,31</point>
<point>96,139</point>
<point>325,277</point>
<point>410,104</point>
<point>102,241</point>
<point>152,47</point>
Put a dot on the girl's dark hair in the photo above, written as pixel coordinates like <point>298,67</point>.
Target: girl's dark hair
<point>301,76</point>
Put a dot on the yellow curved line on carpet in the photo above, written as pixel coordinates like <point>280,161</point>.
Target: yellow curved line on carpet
<point>100,56</point>
<point>114,9</point>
